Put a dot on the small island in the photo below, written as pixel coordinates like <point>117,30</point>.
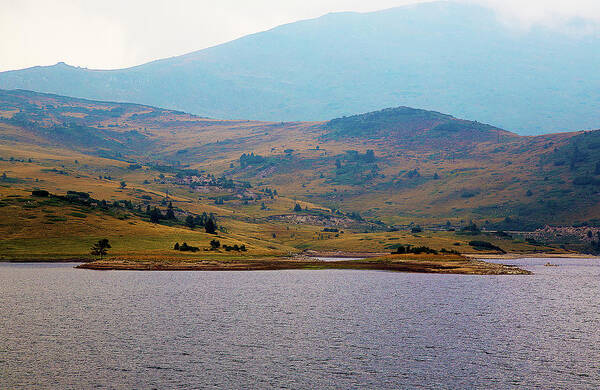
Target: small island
<point>419,263</point>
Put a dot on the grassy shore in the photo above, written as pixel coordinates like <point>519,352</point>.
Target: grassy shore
<point>443,264</point>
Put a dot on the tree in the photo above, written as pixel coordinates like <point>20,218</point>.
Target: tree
<point>170,213</point>
<point>297,208</point>
<point>210,226</point>
<point>190,222</point>
<point>215,244</point>
<point>122,184</point>
<point>176,247</point>
<point>100,248</point>
<point>155,215</point>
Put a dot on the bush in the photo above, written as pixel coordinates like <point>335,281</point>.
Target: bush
<point>215,244</point>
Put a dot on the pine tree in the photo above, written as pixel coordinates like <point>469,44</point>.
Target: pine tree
<point>170,213</point>
<point>190,222</point>
<point>210,226</point>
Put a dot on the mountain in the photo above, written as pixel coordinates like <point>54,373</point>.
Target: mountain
<point>450,57</point>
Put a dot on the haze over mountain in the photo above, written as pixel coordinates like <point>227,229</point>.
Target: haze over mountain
<point>440,56</point>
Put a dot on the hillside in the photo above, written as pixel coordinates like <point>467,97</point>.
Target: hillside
<point>349,184</point>
<point>455,58</point>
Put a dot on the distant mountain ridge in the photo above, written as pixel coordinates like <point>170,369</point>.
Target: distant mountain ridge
<point>448,57</point>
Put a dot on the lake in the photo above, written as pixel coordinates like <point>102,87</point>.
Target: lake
<point>66,328</point>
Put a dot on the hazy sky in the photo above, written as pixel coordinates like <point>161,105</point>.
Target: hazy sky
<point>108,34</point>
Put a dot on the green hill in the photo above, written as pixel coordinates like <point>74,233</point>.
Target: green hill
<point>276,187</point>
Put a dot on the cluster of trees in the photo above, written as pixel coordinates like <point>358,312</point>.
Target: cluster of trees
<point>353,155</point>
<point>251,159</point>
<point>214,245</point>
<point>208,221</point>
<point>185,247</point>
<point>269,192</point>
<point>404,249</point>
<point>357,168</point>
<point>12,159</point>
<point>235,247</point>
<point>156,215</point>
<point>40,193</point>
<point>471,228</point>
<point>484,245</point>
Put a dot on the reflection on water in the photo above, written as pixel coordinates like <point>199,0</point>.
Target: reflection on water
<point>67,328</point>
<point>338,258</point>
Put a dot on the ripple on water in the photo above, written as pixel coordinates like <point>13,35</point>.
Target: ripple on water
<point>67,328</point>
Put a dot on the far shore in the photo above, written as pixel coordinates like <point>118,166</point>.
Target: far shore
<point>512,256</point>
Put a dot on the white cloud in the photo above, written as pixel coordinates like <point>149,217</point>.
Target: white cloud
<point>114,33</point>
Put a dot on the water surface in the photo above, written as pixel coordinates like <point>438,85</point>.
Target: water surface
<point>67,328</point>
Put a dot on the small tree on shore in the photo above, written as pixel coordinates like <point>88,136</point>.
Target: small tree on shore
<point>100,248</point>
